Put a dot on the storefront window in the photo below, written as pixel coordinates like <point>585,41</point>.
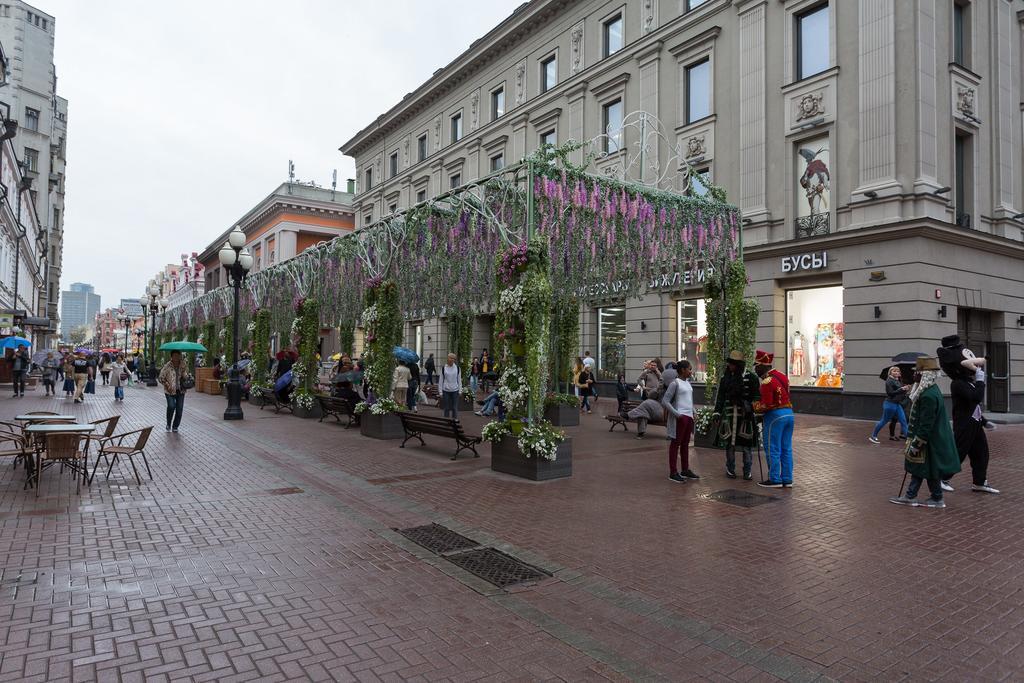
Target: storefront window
<point>693,337</point>
<point>815,337</point>
<point>611,342</point>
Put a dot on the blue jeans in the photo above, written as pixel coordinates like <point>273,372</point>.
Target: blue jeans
<point>410,394</point>
<point>474,382</point>
<point>175,407</point>
<point>450,401</point>
<point>889,411</point>
<point>490,403</point>
<point>778,444</point>
<point>119,392</point>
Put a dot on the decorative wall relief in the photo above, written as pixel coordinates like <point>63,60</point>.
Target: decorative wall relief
<point>520,81</point>
<point>810,105</point>
<point>576,61</point>
<point>696,146</point>
<point>965,101</point>
<point>474,110</point>
<point>649,19</point>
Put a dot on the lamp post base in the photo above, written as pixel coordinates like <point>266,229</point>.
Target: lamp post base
<point>151,376</point>
<point>234,409</point>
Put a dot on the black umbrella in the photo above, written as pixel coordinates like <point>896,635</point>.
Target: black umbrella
<point>907,357</point>
<point>906,372</point>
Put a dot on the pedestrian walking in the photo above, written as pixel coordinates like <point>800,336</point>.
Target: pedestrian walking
<point>892,406</point>
<point>649,380</point>
<point>400,383</point>
<point>451,385</point>
<point>119,377</point>
<point>411,394</point>
<point>734,406</point>
<point>104,367</point>
<point>475,370</point>
<point>585,387</point>
<point>80,369</point>
<point>776,410</point>
<point>931,452</point>
<point>171,376</point>
<point>67,362</point>
<point>678,401</point>
<point>577,368</point>
<point>49,367</point>
<point>20,364</point>
<point>967,388</point>
<point>621,392</point>
<point>430,367</point>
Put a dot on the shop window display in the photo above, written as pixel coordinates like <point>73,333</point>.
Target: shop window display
<point>815,337</point>
<point>611,342</point>
<point>692,336</point>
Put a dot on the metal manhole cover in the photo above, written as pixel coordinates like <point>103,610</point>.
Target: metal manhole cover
<point>437,538</point>
<point>743,499</point>
<point>496,567</point>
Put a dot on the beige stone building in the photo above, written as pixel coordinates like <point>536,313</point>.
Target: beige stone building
<point>875,148</point>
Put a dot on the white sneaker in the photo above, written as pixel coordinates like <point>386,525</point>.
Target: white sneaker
<point>984,488</point>
<point>946,486</point>
<point>873,439</point>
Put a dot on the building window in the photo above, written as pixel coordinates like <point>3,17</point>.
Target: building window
<point>548,138</point>
<point>815,337</point>
<point>31,159</point>
<point>694,4</point>
<point>961,32</point>
<point>456,127</point>
<point>393,164</point>
<point>692,339</point>
<point>31,118</point>
<point>498,103</point>
<point>699,181</point>
<point>421,196</point>
<point>812,41</point>
<point>367,220</point>
<point>814,187</point>
<point>963,154</point>
<point>369,180</point>
<point>393,208</point>
<point>421,147</point>
<point>455,180</point>
<point>497,162</point>
<point>613,35</point>
<point>611,342</point>
<point>698,91</point>
<point>549,73</point>
<point>612,119</point>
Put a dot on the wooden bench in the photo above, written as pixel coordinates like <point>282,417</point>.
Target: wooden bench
<point>336,407</point>
<point>267,397</point>
<point>617,419</point>
<point>433,395</point>
<point>416,425</point>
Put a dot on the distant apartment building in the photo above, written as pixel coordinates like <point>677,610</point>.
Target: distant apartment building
<point>27,36</point>
<point>79,306</point>
<point>188,283</point>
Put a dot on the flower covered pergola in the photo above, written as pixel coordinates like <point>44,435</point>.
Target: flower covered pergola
<point>521,242</point>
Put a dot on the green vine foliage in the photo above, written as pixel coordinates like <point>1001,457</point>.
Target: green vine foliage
<point>565,332</point>
<point>227,347</point>
<point>382,336</point>
<point>261,346</point>
<point>460,339</point>
<point>347,338</point>
<point>210,342</point>
<point>731,319</point>
<point>309,338</point>
<point>191,334</point>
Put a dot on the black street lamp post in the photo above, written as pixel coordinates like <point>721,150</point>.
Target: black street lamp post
<point>236,261</point>
<point>154,304</point>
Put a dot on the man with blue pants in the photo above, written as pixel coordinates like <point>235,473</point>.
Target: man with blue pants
<point>776,410</point>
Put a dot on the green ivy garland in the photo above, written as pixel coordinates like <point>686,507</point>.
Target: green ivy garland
<point>227,343</point>
<point>308,329</point>
<point>261,346</point>
<point>382,321</point>
<point>460,339</point>
<point>210,342</point>
<point>191,335</point>
<point>565,332</point>
<point>731,319</point>
<point>347,338</point>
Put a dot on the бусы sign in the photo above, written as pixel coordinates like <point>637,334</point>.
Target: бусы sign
<point>815,261</point>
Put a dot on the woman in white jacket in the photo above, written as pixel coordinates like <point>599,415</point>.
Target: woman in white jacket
<point>678,401</point>
<point>118,370</point>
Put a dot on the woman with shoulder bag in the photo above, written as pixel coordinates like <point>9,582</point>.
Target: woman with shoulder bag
<point>585,387</point>
<point>118,377</point>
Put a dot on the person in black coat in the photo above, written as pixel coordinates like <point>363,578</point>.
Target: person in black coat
<point>430,367</point>
<point>734,405</point>
<point>967,373</point>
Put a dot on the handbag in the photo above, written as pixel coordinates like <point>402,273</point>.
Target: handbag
<point>90,387</point>
<point>125,376</point>
<point>187,382</point>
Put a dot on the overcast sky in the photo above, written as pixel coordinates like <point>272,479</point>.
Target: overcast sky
<point>183,115</point>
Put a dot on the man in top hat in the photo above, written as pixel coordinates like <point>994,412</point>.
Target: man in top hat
<point>777,411</point>
<point>931,453</point>
<point>734,405</point>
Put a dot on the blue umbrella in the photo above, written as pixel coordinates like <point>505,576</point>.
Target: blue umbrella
<point>283,381</point>
<point>14,342</point>
<point>405,355</point>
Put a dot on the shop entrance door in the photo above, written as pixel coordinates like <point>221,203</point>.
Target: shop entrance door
<point>998,387</point>
<point>975,329</point>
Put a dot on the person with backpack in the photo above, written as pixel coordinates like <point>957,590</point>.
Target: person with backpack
<point>451,385</point>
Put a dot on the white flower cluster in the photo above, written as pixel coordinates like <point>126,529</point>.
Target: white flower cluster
<point>295,328</point>
<point>304,400</point>
<point>251,327</point>
<point>511,300</point>
<point>540,440</point>
<point>494,431</point>
<point>385,406</point>
<point>369,317</point>
<point>298,372</point>
<point>223,333</point>
<point>512,388</point>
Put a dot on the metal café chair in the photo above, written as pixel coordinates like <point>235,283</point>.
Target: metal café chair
<point>65,449</point>
<point>13,444</point>
<point>108,425</point>
<point>115,446</point>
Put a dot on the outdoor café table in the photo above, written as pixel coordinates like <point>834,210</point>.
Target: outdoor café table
<point>43,430</point>
<point>31,419</point>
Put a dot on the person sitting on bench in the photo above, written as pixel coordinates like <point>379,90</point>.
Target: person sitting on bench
<point>649,410</point>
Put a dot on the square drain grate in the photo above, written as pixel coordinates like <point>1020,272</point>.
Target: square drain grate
<point>743,499</point>
<point>437,538</point>
<point>496,567</point>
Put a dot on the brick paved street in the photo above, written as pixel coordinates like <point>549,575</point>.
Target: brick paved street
<point>265,550</point>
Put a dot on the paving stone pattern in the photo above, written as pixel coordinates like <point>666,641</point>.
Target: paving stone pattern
<point>266,550</point>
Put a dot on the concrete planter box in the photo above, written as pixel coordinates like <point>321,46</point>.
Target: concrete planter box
<point>704,440</point>
<point>388,426</point>
<point>506,458</point>
<point>562,415</point>
<point>314,413</point>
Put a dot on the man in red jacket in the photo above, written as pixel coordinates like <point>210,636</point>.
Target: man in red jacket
<point>777,412</point>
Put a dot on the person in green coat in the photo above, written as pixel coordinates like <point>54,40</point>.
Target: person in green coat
<point>931,453</point>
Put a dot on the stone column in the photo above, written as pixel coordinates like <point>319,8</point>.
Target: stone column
<point>752,130</point>
<point>574,129</point>
<point>877,88</point>
<point>649,60</point>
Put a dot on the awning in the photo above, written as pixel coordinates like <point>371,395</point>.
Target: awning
<point>36,322</point>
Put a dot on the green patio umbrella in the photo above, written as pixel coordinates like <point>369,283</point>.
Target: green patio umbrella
<point>182,346</point>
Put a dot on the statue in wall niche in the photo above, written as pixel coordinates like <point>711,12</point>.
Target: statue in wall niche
<point>520,76</point>
<point>965,100</point>
<point>809,106</point>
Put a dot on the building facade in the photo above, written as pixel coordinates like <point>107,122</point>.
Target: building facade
<point>27,35</point>
<point>881,180</point>
<point>79,306</point>
<point>188,283</point>
<point>289,220</point>
<point>108,330</point>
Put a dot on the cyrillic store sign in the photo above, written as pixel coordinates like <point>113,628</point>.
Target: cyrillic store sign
<point>813,261</point>
<point>665,281</point>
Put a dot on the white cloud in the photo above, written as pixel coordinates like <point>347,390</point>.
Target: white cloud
<point>183,115</point>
